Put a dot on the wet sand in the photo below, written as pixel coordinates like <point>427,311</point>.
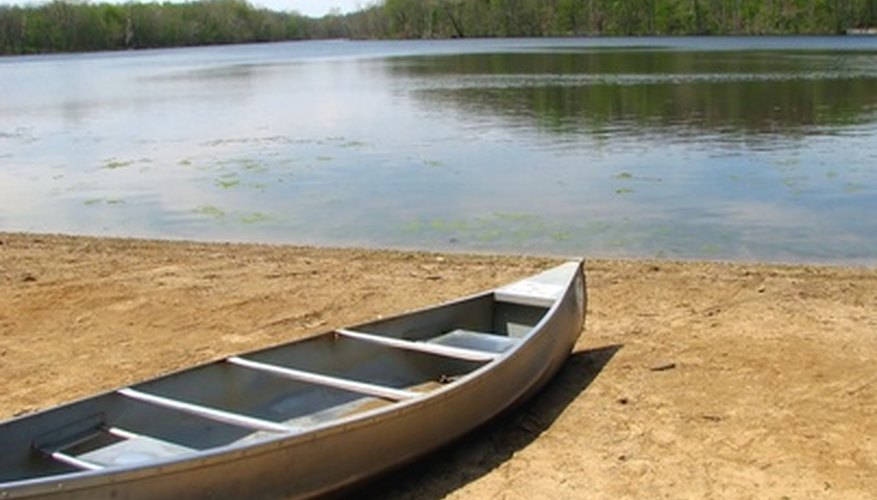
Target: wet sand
<point>692,379</point>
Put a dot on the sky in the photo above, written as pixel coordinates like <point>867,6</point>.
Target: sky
<point>312,8</point>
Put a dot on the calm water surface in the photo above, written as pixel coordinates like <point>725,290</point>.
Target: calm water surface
<point>723,148</point>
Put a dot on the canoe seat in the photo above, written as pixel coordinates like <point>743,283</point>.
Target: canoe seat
<point>128,449</point>
<point>477,341</point>
<point>133,449</point>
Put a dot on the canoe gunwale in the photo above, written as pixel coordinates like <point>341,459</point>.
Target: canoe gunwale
<point>232,452</point>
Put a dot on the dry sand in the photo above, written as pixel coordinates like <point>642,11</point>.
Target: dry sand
<point>691,380</point>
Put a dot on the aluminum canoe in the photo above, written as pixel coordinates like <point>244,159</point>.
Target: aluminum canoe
<point>308,417</point>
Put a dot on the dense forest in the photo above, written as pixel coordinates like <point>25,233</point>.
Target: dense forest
<point>62,26</point>
<point>479,18</point>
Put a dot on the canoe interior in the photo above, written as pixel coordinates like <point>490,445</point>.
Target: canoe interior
<point>116,430</point>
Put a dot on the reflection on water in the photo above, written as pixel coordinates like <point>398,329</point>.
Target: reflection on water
<point>689,148</point>
<point>680,95</point>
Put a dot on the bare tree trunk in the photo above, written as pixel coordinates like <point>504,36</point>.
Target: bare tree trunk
<point>455,22</point>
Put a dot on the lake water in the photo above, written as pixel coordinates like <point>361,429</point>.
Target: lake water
<point>714,148</point>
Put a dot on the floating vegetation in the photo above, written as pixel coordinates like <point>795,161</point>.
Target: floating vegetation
<point>711,249</point>
<point>218,214</point>
<point>749,180</point>
<point>275,139</point>
<point>251,165</point>
<point>288,162</point>
<point>561,236</point>
<point>796,184</point>
<point>341,142</point>
<point>854,187</point>
<point>232,180</point>
<point>518,217</point>
<point>114,164</point>
<point>663,230</point>
<point>627,176</point>
<point>433,163</point>
<point>210,211</point>
<point>255,218</point>
<point>91,202</point>
<point>624,191</point>
<point>245,164</point>
<point>787,163</point>
<point>228,181</point>
<point>490,235</point>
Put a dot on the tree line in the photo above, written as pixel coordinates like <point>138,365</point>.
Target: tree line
<point>62,26</point>
<point>512,18</point>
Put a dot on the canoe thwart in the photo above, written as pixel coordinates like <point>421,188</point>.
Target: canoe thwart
<point>206,412</point>
<point>74,461</point>
<point>425,347</point>
<point>479,341</point>
<point>380,391</point>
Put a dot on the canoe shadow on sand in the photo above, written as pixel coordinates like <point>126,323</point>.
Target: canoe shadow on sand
<point>489,446</point>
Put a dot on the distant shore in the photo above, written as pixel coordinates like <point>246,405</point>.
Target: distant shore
<point>62,26</point>
<point>690,379</point>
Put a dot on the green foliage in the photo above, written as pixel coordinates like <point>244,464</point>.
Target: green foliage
<point>461,18</point>
<point>64,26</point>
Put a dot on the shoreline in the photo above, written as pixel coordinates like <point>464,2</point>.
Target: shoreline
<point>863,263</point>
<point>691,378</point>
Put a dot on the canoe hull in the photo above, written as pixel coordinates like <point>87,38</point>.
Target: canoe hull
<point>334,457</point>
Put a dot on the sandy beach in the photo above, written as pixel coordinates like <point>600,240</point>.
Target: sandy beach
<point>690,380</point>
